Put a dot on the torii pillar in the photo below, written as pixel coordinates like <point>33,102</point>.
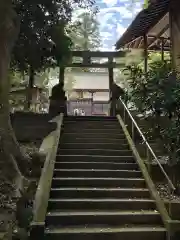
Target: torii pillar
<point>61,74</point>
<point>111,81</point>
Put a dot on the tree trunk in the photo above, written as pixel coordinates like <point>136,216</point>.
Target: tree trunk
<point>9,145</point>
<point>30,87</point>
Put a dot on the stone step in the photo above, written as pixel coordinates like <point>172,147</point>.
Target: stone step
<point>65,218</point>
<point>104,134</point>
<point>107,152</point>
<point>92,125</point>
<point>95,158</point>
<point>97,165</point>
<point>89,118</point>
<point>77,129</point>
<point>84,145</point>
<point>98,182</point>
<point>100,204</point>
<point>99,193</point>
<point>154,232</point>
<point>73,139</point>
<point>96,173</point>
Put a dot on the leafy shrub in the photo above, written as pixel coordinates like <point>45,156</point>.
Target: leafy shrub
<point>158,94</point>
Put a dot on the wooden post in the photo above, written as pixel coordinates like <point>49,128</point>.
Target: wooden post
<point>172,42</point>
<point>174,19</point>
<point>162,49</point>
<point>145,55</point>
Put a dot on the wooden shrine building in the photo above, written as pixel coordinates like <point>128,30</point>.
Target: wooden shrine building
<point>155,28</point>
<point>89,60</point>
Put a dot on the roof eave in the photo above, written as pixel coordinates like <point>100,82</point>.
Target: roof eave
<point>145,20</point>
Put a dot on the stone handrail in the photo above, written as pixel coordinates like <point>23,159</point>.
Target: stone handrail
<point>49,147</point>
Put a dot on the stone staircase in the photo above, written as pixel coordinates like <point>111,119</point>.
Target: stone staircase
<point>98,191</point>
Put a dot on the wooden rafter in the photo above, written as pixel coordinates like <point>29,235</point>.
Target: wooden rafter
<point>137,42</point>
<point>129,44</point>
<point>158,35</point>
<point>140,43</point>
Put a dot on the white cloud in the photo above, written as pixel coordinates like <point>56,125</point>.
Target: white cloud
<point>110,3</point>
<point>139,5</point>
<point>113,2</point>
<point>106,35</point>
<point>106,48</point>
<point>120,29</point>
<point>103,18</point>
<point>124,12</point>
<point>133,8</point>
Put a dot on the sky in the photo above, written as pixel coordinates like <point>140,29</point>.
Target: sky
<point>114,17</point>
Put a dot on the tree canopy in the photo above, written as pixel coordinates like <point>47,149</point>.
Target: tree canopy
<point>42,37</point>
<point>33,24</point>
<point>86,36</point>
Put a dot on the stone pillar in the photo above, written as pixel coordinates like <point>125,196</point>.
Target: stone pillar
<point>111,80</point>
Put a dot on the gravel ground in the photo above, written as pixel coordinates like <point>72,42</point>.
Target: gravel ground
<point>162,160</point>
<point>165,194</point>
<point>30,148</point>
<point>7,203</point>
<point>162,187</point>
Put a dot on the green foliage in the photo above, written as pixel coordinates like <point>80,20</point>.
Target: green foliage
<point>156,91</point>
<point>86,36</point>
<point>146,4</point>
<point>16,78</point>
<point>159,94</point>
<point>62,44</point>
<point>132,58</point>
<point>34,45</point>
<point>42,39</point>
<point>19,84</point>
<point>171,140</point>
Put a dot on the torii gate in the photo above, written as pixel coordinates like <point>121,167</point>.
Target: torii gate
<point>87,62</point>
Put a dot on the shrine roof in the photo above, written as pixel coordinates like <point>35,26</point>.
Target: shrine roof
<point>144,21</point>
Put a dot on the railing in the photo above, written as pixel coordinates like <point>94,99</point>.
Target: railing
<point>44,186</point>
<point>149,150</point>
<point>149,154</point>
